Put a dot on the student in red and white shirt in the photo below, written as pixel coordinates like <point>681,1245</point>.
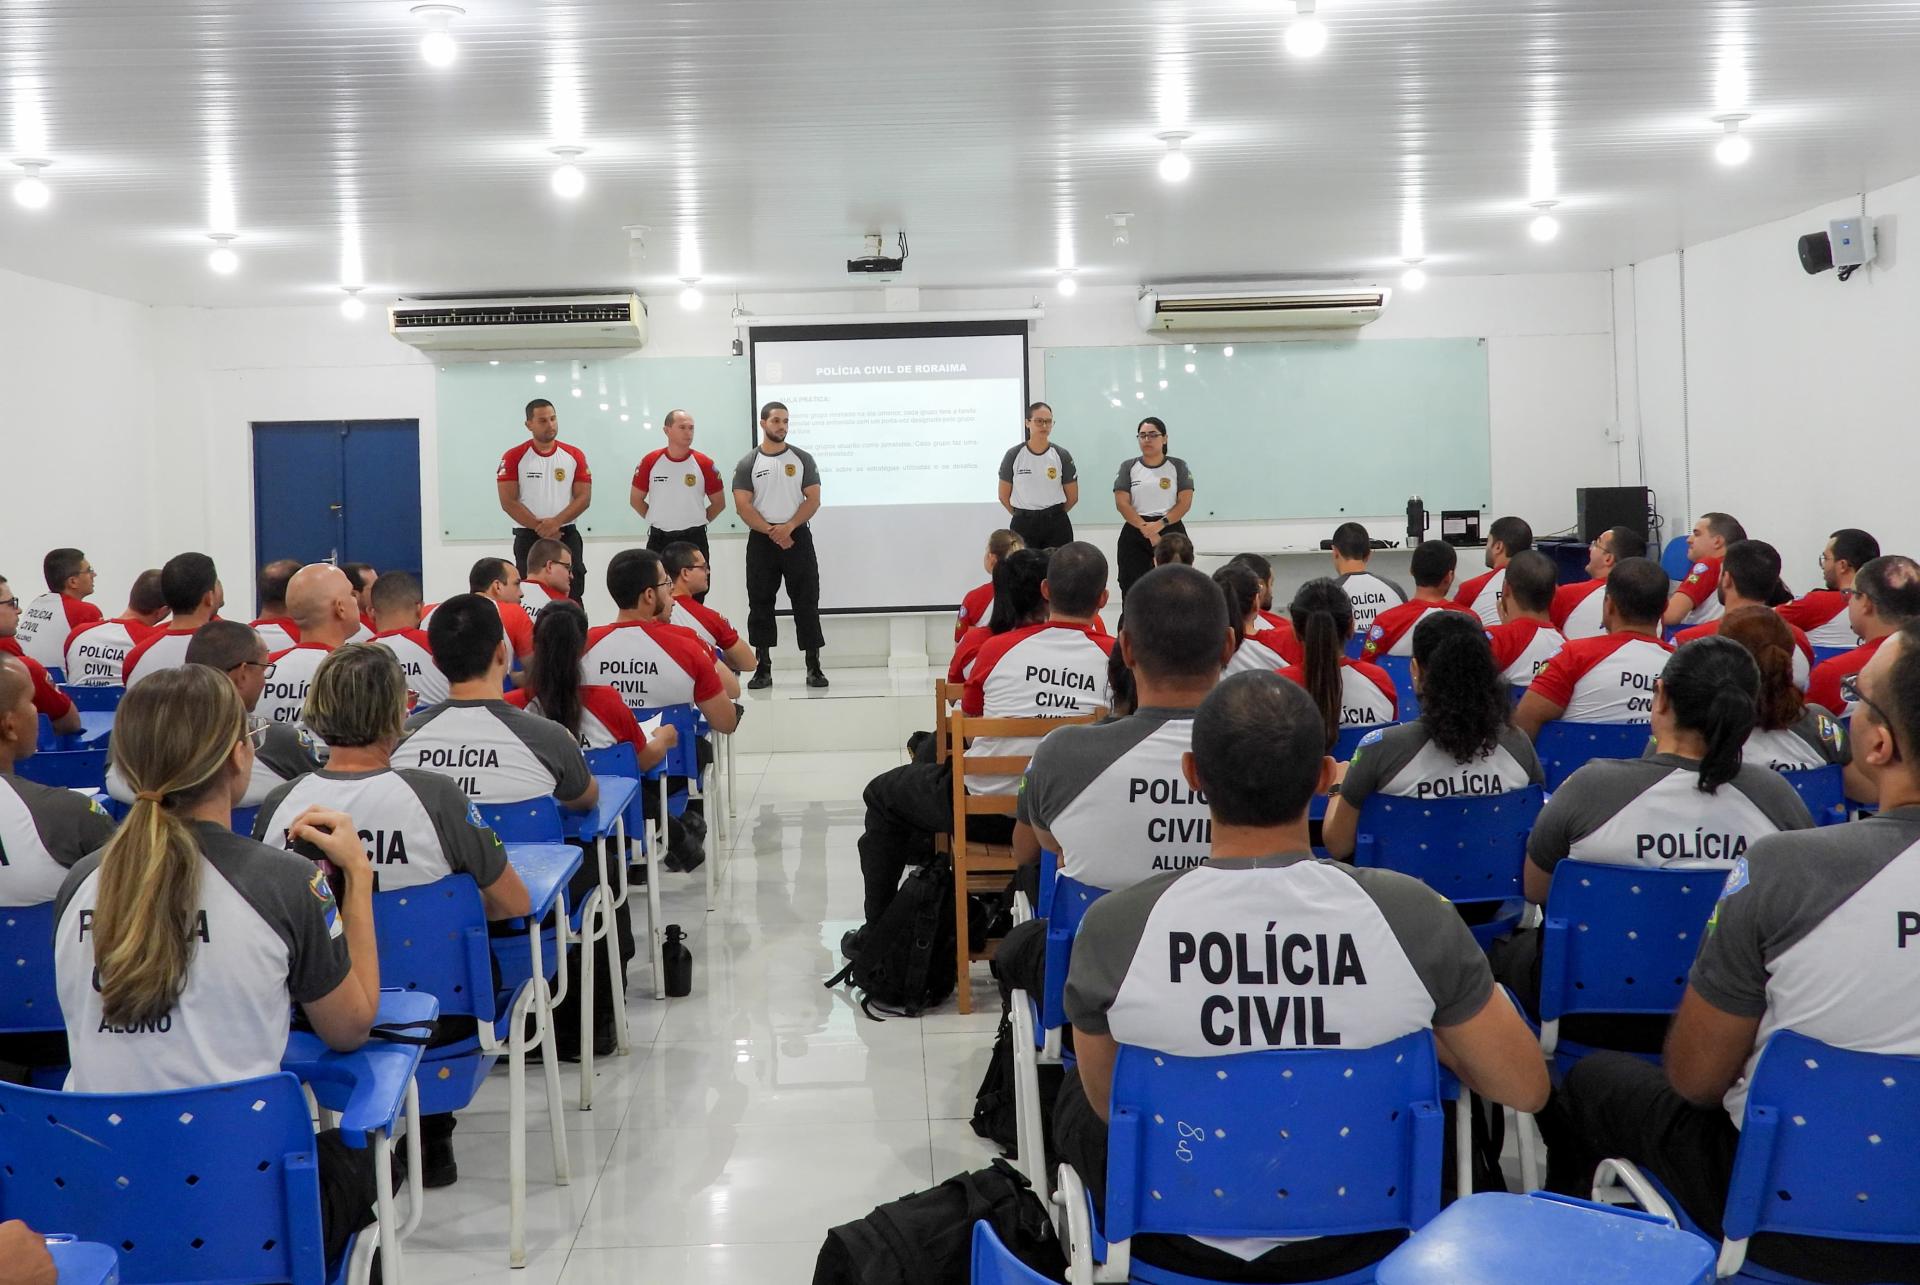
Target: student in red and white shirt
<point>96,654</point>
<point>1609,679</point>
<point>1750,577</point>
<point>1283,643</point>
<point>1391,633</point>
<point>1506,538</point>
<point>275,626</point>
<point>194,595</point>
<point>593,712</point>
<point>1017,602</point>
<point>979,599</point>
<point>1525,639</point>
<point>649,661</point>
<point>544,485</point>
<point>1885,598</point>
<point>1348,693</point>
<point>498,581</point>
<point>549,577</point>
<point>47,698</point>
<point>1694,599</point>
<point>362,576</point>
<point>396,618</point>
<point>1252,648</point>
<point>692,577</point>
<point>320,600</point>
<point>48,620</point>
<point>677,489</point>
<point>1576,607</point>
<point>1822,613</point>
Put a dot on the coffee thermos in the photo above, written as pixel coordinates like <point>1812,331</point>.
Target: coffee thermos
<point>1416,521</point>
<point>678,963</point>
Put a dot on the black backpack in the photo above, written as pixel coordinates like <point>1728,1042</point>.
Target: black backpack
<point>906,962</point>
<point>927,1238</point>
<point>994,1102</point>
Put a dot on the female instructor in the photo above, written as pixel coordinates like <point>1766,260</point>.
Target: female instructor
<point>1153,492</point>
<point>1038,485</point>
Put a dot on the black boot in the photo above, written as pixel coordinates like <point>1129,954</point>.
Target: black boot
<point>762,670</point>
<point>814,677</point>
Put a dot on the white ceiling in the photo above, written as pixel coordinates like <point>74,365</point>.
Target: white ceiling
<point>770,133</point>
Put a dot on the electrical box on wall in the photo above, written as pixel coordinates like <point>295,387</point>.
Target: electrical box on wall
<point>1852,241</point>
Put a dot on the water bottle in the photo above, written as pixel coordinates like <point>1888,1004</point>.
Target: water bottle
<point>678,962</point>
<point>1416,521</point>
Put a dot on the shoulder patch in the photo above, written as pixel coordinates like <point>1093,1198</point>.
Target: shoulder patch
<point>473,817</point>
<point>1376,632</point>
<point>1699,567</point>
<point>1736,878</point>
<point>1371,738</point>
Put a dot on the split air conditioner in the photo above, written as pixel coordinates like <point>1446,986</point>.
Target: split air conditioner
<point>521,322</point>
<point>1261,310</point>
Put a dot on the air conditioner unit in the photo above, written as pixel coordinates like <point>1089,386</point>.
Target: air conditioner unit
<point>1261,310</point>
<point>525,322</point>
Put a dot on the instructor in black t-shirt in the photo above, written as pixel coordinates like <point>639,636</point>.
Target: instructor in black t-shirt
<point>776,489</point>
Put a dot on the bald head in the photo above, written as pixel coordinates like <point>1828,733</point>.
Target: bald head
<point>320,600</point>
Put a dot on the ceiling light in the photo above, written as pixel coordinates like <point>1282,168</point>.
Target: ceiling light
<point>1415,277</point>
<point>568,181</point>
<point>1067,286</point>
<point>353,307</point>
<point>1544,226</point>
<point>539,379</point>
<point>691,298</point>
<point>1189,368</point>
<point>493,361</point>
<point>623,417</point>
<point>1163,385</point>
<point>1119,222</point>
<point>1227,351</point>
<point>223,260</point>
<point>1139,396</point>
<point>604,406</point>
<point>1306,34</point>
<point>576,392</point>
<point>1734,147</point>
<point>1176,164</point>
<point>438,46</point>
<point>32,191</point>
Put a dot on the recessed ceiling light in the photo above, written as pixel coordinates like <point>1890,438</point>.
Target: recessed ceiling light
<point>576,392</point>
<point>1415,277</point>
<point>1544,226</point>
<point>604,406</point>
<point>32,191</point>
<point>438,46</point>
<point>1176,164</point>
<point>1067,286</point>
<point>353,307</point>
<point>223,260</point>
<point>1227,351</point>
<point>1189,368</point>
<point>568,181</point>
<point>690,297</point>
<point>1734,147</point>
<point>623,417</point>
<point>1306,34</point>
<point>539,379</point>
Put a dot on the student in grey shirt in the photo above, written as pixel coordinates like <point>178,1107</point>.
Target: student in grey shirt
<point>1818,932</point>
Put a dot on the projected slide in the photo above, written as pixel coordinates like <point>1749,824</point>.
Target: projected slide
<point>908,424</point>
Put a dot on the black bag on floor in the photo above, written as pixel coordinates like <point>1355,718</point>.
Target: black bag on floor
<point>927,1238</point>
<point>905,963</point>
<point>993,1103</point>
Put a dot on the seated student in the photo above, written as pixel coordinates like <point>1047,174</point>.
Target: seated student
<point>1750,577</point>
<point>1506,539</point>
<point>687,563</point>
<point>1052,670</point>
<point>47,698</point>
<point>96,654</point>
<point>497,753</point>
<point>498,581</point>
<point>320,600</point>
<point>1391,633</point>
<point>1241,590</point>
<point>153,1002</point>
<point>1885,598</point>
<point>1017,603</point>
<point>1694,599</point>
<point>549,577</point>
<point>1608,679</point>
<point>275,626</point>
<point>1371,594</point>
<point>979,599</point>
<point>1348,693</point>
<point>1576,607</point>
<point>417,827</point>
<point>44,831</point>
<point>1257,758</point>
<point>1463,744</point>
<point>1284,643</point>
<point>1822,613</point>
<point>1173,546</point>
<point>593,712</point>
<point>48,620</point>
<point>649,661</point>
<point>191,586</point>
<point>1525,639</point>
<point>363,577</point>
<point>1788,734</point>
<point>1802,941</point>
<point>396,619</point>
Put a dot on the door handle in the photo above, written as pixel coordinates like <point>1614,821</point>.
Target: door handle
<point>334,508</point>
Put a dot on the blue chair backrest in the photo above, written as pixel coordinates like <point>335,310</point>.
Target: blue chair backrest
<point>1282,1142</point>
<point>1348,739</point>
<point>683,759</point>
<point>1564,748</point>
<point>213,1184</point>
<point>1831,1145</point>
<point>1071,900</point>
<point>1049,871</point>
<point>1354,645</point>
<point>994,1263</point>
<point>28,1000</point>
<point>1400,670</point>
<point>528,821</point>
<point>1621,939</point>
<point>615,760</point>
<point>95,699</point>
<point>243,819</point>
<point>1467,850</point>
<point>56,675</point>
<point>1823,790</point>
<point>1674,560</point>
<point>433,938</point>
<point>1821,655</point>
<point>66,769</point>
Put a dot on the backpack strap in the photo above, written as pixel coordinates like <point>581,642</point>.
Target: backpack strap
<point>926,938</point>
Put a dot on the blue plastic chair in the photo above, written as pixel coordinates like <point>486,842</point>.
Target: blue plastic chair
<point>1564,748</point>
<point>1470,850</point>
<point>83,1262</point>
<point>623,761</point>
<point>207,1184</point>
<point>29,1001</point>
<point>1280,1143</point>
<point>529,821</point>
<point>1486,1239</point>
<point>243,819</point>
<point>1823,790</point>
<point>591,919</point>
<point>1345,742</point>
<point>994,1263</point>
<point>66,769</point>
<point>1821,655</point>
<point>1354,646</point>
<point>1674,560</point>
<point>1038,1021</point>
<point>100,700</point>
<point>1400,670</point>
<point>56,675</point>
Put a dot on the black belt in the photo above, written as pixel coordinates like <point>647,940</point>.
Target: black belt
<point>568,527</point>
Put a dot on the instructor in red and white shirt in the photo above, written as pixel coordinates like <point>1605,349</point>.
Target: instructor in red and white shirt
<point>677,489</point>
<point>544,485</point>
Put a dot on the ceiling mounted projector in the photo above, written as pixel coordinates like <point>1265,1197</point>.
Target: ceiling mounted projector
<point>875,261</point>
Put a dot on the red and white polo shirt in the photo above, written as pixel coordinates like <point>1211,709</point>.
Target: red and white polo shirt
<point>161,649</point>
<point>289,681</point>
<point>1368,697</point>
<point>1576,609</point>
<point>534,596</point>
<point>1055,670</point>
<point>650,663</point>
<point>546,481</point>
<point>47,698</point>
<point>1823,687</point>
<point>1481,595</point>
<point>1391,633</point>
<point>426,685</point>
<point>1522,648</point>
<point>1822,615</point>
<point>974,610</point>
<point>96,654</point>
<point>1699,584</point>
<point>1802,649</point>
<point>676,490</point>
<point>706,624</point>
<point>277,632</point>
<point>963,655</point>
<point>45,624</point>
<point>1604,680</point>
<point>605,719</point>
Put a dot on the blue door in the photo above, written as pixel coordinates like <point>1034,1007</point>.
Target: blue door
<point>338,491</point>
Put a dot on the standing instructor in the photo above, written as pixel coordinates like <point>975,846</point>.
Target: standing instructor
<point>1153,491</point>
<point>544,485</point>
<point>776,489</point>
<point>1038,484</point>
<point>677,489</point>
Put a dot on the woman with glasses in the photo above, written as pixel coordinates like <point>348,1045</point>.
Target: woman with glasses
<point>181,947</point>
<point>1153,491</point>
<point>1788,735</point>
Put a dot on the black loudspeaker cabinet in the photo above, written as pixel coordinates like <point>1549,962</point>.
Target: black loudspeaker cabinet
<point>1603,507</point>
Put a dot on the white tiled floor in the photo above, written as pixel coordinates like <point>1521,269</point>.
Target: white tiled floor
<point>755,1113</point>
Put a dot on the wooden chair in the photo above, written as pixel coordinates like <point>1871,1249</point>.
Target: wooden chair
<point>946,699</point>
<point>977,866</point>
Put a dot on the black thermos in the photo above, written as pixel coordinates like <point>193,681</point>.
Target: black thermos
<point>678,961</point>
<point>1416,521</point>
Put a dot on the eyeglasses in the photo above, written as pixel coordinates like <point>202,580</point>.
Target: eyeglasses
<point>10,602</point>
<point>257,664</point>
<point>665,586</point>
<point>1851,693</point>
<point>1149,435</point>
